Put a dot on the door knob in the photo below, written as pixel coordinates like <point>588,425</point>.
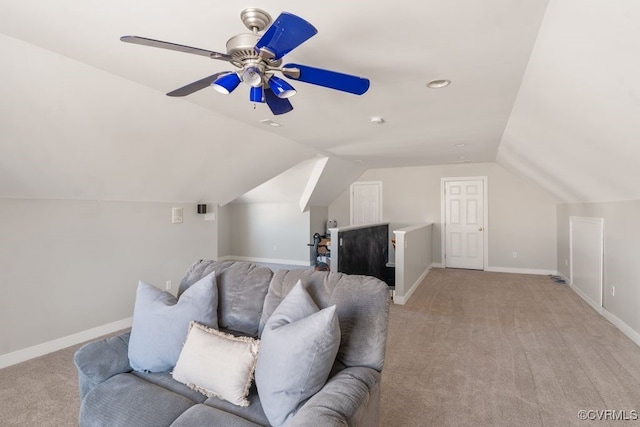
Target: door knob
<point>480,229</point>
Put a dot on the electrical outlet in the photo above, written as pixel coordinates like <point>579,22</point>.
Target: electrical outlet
<point>515,254</point>
<point>168,285</point>
<point>566,262</point>
<point>613,291</point>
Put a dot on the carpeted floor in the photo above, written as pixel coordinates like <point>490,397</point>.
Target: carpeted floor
<point>470,348</point>
<point>492,349</point>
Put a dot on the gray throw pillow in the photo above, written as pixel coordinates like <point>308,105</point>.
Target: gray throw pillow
<point>297,350</point>
<point>161,322</point>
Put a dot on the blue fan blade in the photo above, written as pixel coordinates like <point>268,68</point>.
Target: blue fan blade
<point>285,34</point>
<point>276,105</point>
<point>331,79</point>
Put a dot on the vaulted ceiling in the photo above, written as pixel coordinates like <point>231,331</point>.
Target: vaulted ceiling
<point>548,90</point>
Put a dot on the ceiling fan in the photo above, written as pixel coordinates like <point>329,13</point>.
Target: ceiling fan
<point>258,57</point>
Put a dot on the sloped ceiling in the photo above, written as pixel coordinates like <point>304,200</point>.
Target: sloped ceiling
<point>84,116</point>
<point>70,131</point>
<point>575,127</point>
<point>549,91</point>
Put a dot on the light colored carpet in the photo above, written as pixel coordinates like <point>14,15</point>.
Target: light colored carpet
<point>469,349</point>
<point>492,349</point>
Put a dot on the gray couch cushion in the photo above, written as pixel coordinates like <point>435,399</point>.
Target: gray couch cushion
<point>100,360</point>
<point>362,305</point>
<point>252,413</point>
<point>203,415</point>
<point>242,287</point>
<point>165,380</point>
<point>127,400</point>
<point>351,397</point>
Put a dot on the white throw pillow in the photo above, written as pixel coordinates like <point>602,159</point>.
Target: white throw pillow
<point>217,364</point>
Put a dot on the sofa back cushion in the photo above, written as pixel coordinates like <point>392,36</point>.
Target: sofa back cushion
<point>242,287</point>
<point>362,306</point>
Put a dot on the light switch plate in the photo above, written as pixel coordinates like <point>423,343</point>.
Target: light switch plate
<point>176,215</point>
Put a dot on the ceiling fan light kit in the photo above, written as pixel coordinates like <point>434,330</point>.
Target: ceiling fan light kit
<point>281,88</point>
<point>256,94</point>
<point>257,57</point>
<point>226,83</point>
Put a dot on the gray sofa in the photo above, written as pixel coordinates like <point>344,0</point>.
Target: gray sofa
<point>114,395</point>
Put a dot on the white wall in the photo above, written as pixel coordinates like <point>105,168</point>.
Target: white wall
<point>621,250</point>
<point>270,232</point>
<point>522,216</point>
<point>224,230</point>
<point>70,266</point>
<point>413,260</point>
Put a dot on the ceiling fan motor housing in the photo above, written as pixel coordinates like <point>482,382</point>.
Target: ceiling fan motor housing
<point>252,66</point>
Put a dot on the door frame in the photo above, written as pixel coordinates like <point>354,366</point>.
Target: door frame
<point>485,219</point>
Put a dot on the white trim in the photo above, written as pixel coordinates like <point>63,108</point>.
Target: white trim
<point>626,329</point>
<point>485,227</point>
<point>520,270</point>
<point>402,300</point>
<point>615,320</point>
<point>597,307</point>
<point>61,343</point>
<point>265,260</point>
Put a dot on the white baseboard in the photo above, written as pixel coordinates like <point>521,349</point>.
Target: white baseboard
<point>615,320</point>
<point>588,300</point>
<point>508,270</point>
<point>521,270</point>
<point>626,329</point>
<point>60,343</point>
<point>402,299</point>
<point>265,260</point>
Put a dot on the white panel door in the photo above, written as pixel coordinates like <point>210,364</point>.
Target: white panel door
<point>464,224</point>
<point>586,248</point>
<point>366,202</point>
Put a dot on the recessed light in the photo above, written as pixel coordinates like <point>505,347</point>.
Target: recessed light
<point>437,84</point>
<point>270,123</point>
<point>376,120</point>
<point>460,145</point>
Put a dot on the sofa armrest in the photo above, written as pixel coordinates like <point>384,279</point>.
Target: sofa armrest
<point>349,398</point>
<point>100,360</point>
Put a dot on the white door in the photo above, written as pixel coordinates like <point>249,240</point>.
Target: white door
<point>464,224</point>
<point>366,202</point>
<point>586,249</point>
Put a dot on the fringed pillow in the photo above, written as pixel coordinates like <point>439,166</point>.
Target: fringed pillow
<point>217,364</point>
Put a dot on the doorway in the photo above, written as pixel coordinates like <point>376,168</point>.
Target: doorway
<point>464,222</point>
